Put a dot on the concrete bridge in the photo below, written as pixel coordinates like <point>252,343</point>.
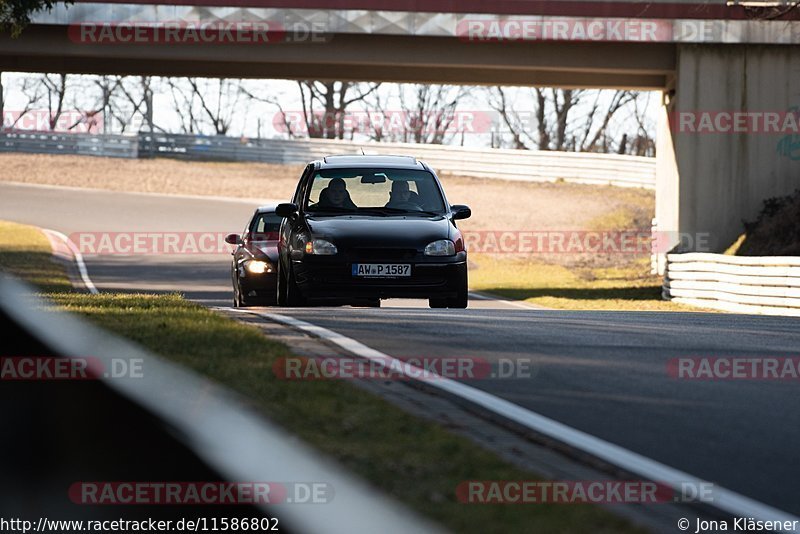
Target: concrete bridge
<point>729,71</point>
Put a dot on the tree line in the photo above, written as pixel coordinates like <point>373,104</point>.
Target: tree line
<point>580,120</point>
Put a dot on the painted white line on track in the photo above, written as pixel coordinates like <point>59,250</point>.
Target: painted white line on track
<point>723,499</point>
<point>78,257</point>
<point>517,304</point>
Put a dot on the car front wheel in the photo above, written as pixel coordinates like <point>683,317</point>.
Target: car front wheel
<point>288,292</point>
<point>461,300</point>
<point>240,300</point>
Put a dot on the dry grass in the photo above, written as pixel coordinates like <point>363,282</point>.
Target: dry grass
<point>629,288</point>
<point>245,180</point>
<point>496,204</point>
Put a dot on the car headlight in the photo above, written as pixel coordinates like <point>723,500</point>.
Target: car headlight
<point>258,267</point>
<point>442,247</point>
<point>320,247</point>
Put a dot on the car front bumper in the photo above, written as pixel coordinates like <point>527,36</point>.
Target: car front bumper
<point>262,285</point>
<point>331,278</point>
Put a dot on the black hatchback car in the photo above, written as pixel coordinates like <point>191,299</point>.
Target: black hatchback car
<point>364,228</point>
<point>253,269</point>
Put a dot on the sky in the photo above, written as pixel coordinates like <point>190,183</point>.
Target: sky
<point>251,118</point>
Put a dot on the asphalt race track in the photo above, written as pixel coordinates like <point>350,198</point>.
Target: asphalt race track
<point>604,373</point>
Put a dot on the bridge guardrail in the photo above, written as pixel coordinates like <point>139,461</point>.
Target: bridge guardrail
<point>749,284</point>
<point>518,165</point>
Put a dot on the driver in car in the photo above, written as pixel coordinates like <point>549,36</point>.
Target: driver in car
<point>335,195</point>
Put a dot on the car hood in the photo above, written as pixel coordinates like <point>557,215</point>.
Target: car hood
<point>395,231</point>
<point>264,250</point>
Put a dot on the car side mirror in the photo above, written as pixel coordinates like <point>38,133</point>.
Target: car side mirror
<point>287,209</point>
<point>233,239</point>
<point>460,211</point>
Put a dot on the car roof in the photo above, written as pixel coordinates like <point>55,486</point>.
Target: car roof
<point>359,160</point>
<point>267,208</point>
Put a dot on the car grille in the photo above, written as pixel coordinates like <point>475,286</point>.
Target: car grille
<point>386,254</point>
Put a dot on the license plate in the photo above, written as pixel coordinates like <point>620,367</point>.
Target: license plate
<point>381,270</point>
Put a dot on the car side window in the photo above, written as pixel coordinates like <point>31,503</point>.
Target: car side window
<point>301,185</point>
<point>247,229</point>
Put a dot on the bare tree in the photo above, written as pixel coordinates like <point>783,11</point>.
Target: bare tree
<point>430,118</point>
<point>285,118</point>
<point>589,142</point>
<point>561,119</point>
<point>218,101</point>
<point>183,105</point>
<point>56,90</point>
<point>375,124</point>
<point>643,143</point>
<point>137,95</point>
<point>324,105</point>
<point>33,91</point>
<point>204,105</point>
<point>91,96</point>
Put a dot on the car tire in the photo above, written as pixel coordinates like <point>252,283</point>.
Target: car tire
<point>280,294</point>
<point>288,292</point>
<point>461,300</point>
<point>437,303</point>
<point>239,299</point>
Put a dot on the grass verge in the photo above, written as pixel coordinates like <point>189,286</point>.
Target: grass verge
<point>414,460</point>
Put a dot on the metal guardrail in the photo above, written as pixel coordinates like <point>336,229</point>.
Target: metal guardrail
<point>114,146</point>
<point>519,165</point>
<point>168,424</point>
<point>764,285</point>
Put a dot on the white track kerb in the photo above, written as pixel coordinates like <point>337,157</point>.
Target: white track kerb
<point>723,499</point>
<point>76,254</point>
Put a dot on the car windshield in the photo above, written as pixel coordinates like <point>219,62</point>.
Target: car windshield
<point>375,191</point>
<point>266,227</point>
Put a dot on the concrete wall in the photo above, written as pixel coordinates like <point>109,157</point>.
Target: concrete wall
<point>721,178</point>
<point>667,183</point>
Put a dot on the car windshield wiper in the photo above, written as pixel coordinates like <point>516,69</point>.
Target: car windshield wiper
<point>330,209</point>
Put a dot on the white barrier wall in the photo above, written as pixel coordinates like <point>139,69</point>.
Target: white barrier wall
<point>745,284</point>
<point>520,165</point>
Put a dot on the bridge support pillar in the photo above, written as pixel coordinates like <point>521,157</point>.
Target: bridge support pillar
<point>719,156</point>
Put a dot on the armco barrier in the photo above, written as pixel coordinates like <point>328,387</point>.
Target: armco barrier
<point>520,165</point>
<point>167,424</point>
<point>114,146</point>
<point>748,284</point>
